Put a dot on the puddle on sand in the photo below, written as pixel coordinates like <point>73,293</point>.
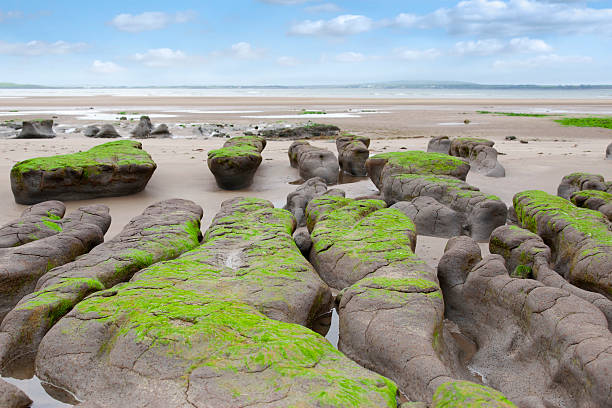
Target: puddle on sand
<point>34,389</point>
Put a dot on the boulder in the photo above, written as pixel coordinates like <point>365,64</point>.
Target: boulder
<point>609,152</point>
<point>161,132</point>
<point>312,161</point>
<point>580,181</point>
<point>219,326</point>
<point>483,159</point>
<point>111,169</point>
<point>580,239</point>
<point>439,144</point>
<point>299,199</point>
<point>91,131</point>
<point>162,232</point>
<point>595,200</point>
<point>12,397</point>
<point>433,218</point>
<point>302,239</point>
<point>143,129</point>
<point>310,131</point>
<point>353,153</point>
<point>37,130</point>
<point>36,222</point>
<point>107,131</point>
<point>463,146</point>
<point>235,164</point>
<point>22,266</point>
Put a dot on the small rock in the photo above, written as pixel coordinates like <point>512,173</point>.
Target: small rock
<point>510,138</point>
<point>524,141</point>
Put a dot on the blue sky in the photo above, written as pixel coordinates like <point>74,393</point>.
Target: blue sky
<point>294,42</point>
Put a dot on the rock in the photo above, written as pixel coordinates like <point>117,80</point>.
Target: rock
<point>480,153</point>
<point>524,141</point>
<point>463,146</point>
<point>439,144</point>
<point>313,161</point>
<point>353,153</point>
<point>143,129</point>
<point>161,132</point>
<point>12,397</point>
<point>580,239</point>
<point>37,130</point>
<point>235,164</point>
<point>512,217</point>
<point>219,326</point>
<point>111,169</point>
<point>314,130</point>
<point>302,239</point>
<point>162,232</point>
<point>609,152</point>
<point>469,394</point>
<point>299,199</point>
<point>595,200</point>
<point>580,181</point>
<point>533,344</point>
<point>432,218</point>
<point>23,265</point>
<point>107,131</point>
<point>36,222</point>
<point>510,138</point>
<point>91,131</point>
<point>527,256</point>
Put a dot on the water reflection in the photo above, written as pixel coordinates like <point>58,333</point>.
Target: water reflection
<point>36,391</point>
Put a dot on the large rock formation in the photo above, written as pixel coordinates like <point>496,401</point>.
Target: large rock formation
<point>299,199</point>
<point>163,231</point>
<point>36,222</point>
<point>23,265</point>
<point>313,161</point>
<point>541,346</point>
<point>219,326</point>
<point>433,218</point>
<point>463,146</point>
<point>106,131</point>
<point>111,169</point>
<point>37,130</point>
<point>353,153</point>
<point>161,132</point>
<point>12,397</point>
<point>143,129</point>
<point>439,144</point>
<point>595,200</point>
<point>580,239</point>
<point>235,164</point>
<point>311,131</point>
<point>580,181</point>
<point>480,153</point>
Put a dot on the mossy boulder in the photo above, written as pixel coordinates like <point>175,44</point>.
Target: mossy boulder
<point>218,326</point>
<point>595,200</point>
<point>312,161</point>
<point>235,164</point>
<point>111,169</point>
<point>352,154</point>
<point>36,222</point>
<point>298,200</point>
<point>162,232</point>
<point>310,131</point>
<point>580,239</point>
<point>580,181</point>
<point>469,395</point>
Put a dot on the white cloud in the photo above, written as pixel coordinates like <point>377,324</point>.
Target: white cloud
<point>8,15</point>
<point>494,46</point>
<point>346,24</point>
<point>541,61</point>
<point>160,57</point>
<point>288,61</point>
<point>35,48</point>
<point>323,8</point>
<point>244,50</point>
<point>416,55</point>
<point>105,67</point>
<point>350,57</point>
<point>149,20</point>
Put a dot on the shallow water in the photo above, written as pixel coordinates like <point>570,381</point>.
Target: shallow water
<point>34,389</point>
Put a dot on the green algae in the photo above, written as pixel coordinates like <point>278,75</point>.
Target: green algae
<point>467,394</point>
<point>49,223</point>
<point>424,162</point>
<point>602,195</point>
<point>237,147</point>
<point>452,185</point>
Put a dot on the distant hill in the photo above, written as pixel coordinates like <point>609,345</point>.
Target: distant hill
<point>10,85</point>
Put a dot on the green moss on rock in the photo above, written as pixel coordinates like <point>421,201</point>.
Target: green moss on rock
<point>467,394</point>
<point>423,162</point>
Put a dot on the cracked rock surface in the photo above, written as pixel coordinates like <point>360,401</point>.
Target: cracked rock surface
<point>352,154</point>
<point>235,164</point>
<point>480,153</point>
<point>595,200</point>
<point>37,130</point>
<point>312,161</point>
<point>580,181</point>
<point>36,222</point>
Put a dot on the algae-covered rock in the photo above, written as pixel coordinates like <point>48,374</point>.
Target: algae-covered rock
<point>36,222</point>
<point>312,161</point>
<point>580,239</point>
<point>595,200</point>
<point>37,130</point>
<point>480,153</point>
<point>310,131</point>
<point>353,153</point>
<point>469,395</point>
<point>235,164</point>
<point>12,397</point>
<point>439,144</point>
<point>219,326</point>
<point>298,200</point>
<point>163,231</point>
<point>110,169</point>
<point>22,266</point>
<point>580,181</point>
<point>433,218</point>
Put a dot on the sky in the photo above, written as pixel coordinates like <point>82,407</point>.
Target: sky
<point>305,42</point>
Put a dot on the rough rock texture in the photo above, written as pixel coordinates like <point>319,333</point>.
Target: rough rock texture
<point>298,200</point>
<point>469,394</point>
<point>313,161</point>
<point>143,129</point>
<point>37,130</point>
<point>595,200</point>
<point>353,153</point>
<point>312,131</point>
<point>107,131</point>
<point>541,346</point>
<point>527,256</point>
<point>391,309</point>
<point>212,328</point>
<point>163,231</point>
<point>439,144</point>
<point>463,146</point>
<point>22,266</point>
<point>161,132</point>
<point>480,213</point>
<point>302,239</point>
<point>580,239</point>
<point>609,152</point>
<point>36,222</point>
<point>432,218</point>
<point>12,397</point>
<point>235,164</point>
<point>480,153</point>
<point>91,131</point>
<point>111,169</point>
<point>580,181</point>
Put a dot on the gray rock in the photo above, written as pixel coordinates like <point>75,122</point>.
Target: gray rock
<point>609,152</point>
<point>580,181</point>
<point>483,159</point>
<point>235,164</point>
<point>432,218</point>
<point>313,161</point>
<point>36,222</point>
<point>161,132</point>
<point>143,129</point>
<point>91,131</point>
<point>12,397</point>
<point>439,144</point>
<point>107,131</point>
<point>314,130</point>
<point>37,130</point>
<point>595,200</point>
<point>302,239</point>
<point>299,199</point>
<point>353,153</point>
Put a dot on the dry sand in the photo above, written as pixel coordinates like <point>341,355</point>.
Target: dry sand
<point>552,151</point>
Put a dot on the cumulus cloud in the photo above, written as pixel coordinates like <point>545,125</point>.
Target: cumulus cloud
<point>541,61</point>
<point>105,67</point>
<point>408,54</point>
<point>149,20</point>
<point>346,24</point>
<point>350,57</point>
<point>35,48</point>
<point>244,50</point>
<point>288,61</point>
<point>160,57</point>
<point>323,8</point>
<point>495,46</point>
